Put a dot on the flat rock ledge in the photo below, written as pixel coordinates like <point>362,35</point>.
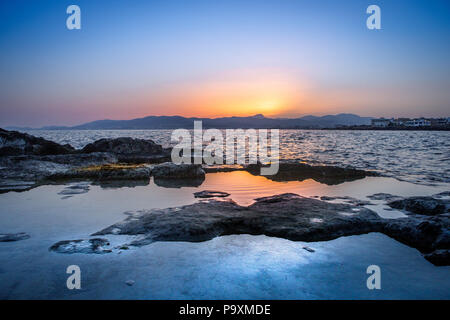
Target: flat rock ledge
<point>292,170</point>
<point>288,216</point>
<point>109,172</point>
<point>299,171</point>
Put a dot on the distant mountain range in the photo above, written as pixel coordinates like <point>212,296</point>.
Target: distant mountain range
<point>258,121</point>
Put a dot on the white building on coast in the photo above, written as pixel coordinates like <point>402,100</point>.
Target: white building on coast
<point>406,122</point>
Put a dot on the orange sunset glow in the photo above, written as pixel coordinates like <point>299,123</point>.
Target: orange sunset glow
<point>239,93</point>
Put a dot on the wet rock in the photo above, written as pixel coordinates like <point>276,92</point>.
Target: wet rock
<point>9,237</point>
<point>211,194</point>
<point>309,249</point>
<point>81,159</point>
<point>384,196</point>
<point>439,257</point>
<point>13,143</point>
<point>287,216</point>
<point>129,282</point>
<point>170,170</point>
<point>30,169</point>
<point>82,246</point>
<point>130,149</point>
<point>297,171</point>
<point>357,202</point>
<point>73,189</point>
<point>15,185</point>
<point>222,168</point>
<point>123,183</point>
<point>40,169</point>
<point>421,232</point>
<point>111,172</point>
<point>444,194</point>
<point>37,161</point>
<point>347,199</point>
<point>421,205</point>
<point>179,183</point>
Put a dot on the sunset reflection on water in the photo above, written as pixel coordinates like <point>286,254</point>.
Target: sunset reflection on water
<point>245,187</point>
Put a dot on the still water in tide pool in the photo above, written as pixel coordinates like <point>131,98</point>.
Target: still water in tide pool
<point>229,267</point>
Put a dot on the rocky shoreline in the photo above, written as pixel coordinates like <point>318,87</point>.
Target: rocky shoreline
<point>27,162</point>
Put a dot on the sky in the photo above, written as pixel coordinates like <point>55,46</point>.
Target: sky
<point>213,58</point>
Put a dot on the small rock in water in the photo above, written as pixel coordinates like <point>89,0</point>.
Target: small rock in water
<point>442,194</point>
<point>211,194</point>
<point>347,199</point>
<point>9,237</point>
<point>169,170</point>
<point>129,282</point>
<point>95,245</point>
<point>384,196</point>
<point>420,205</point>
<point>73,189</point>
<point>309,249</point>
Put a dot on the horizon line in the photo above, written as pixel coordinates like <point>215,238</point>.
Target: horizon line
<point>221,117</point>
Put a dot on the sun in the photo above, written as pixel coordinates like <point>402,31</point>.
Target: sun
<point>269,106</point>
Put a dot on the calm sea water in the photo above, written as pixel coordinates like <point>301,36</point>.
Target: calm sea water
<point>414,156</point>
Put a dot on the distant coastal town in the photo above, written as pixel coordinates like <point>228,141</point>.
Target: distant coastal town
<point>403,124</point>
<point>406,122</point>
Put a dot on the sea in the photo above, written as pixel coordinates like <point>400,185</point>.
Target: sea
<point>411,163</point>
<point>417,156</point>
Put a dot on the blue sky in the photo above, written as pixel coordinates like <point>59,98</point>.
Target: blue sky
<point>215,58</point>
